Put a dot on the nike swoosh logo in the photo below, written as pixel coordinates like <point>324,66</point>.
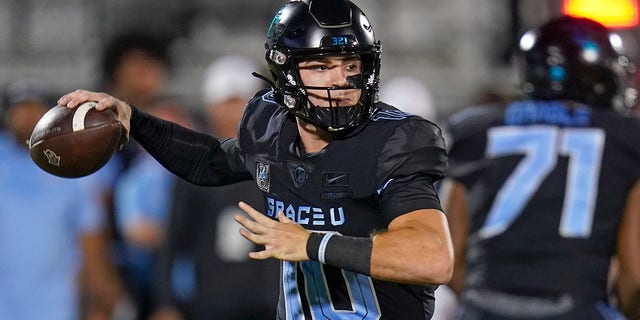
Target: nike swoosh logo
<point>334,179</point>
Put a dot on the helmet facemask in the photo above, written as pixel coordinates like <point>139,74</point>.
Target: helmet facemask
<point>331,116</point>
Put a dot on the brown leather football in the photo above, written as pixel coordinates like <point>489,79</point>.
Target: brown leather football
<point>73,143</point>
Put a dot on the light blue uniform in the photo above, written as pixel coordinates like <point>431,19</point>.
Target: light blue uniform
<point>143,195</point>
<point>42,218</point>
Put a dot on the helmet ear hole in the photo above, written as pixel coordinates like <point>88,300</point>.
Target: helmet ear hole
<point>575,59</point>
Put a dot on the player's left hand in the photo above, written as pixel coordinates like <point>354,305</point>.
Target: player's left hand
<point>282,239</point>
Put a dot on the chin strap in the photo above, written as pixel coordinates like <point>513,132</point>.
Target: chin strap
<point>264,78</point>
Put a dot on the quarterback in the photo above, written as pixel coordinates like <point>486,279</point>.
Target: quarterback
<point>348,181</point>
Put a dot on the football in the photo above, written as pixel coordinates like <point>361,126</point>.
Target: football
<point>73,143</point>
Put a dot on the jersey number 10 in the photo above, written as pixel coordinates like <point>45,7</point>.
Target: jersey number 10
<point>541,147</point>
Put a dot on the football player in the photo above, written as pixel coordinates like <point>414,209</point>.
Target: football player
<point>545,190</point>
<point>350,206</point>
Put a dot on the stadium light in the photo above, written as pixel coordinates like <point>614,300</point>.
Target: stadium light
<point>611,13</point>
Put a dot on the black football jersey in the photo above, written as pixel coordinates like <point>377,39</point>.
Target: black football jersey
<point>546,186</point>
<point>355,186</point>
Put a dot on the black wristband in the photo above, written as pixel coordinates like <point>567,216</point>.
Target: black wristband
<point>313,244</point>
<point>351,253</point>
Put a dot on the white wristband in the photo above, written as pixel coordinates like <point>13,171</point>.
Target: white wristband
<point>323,246</point>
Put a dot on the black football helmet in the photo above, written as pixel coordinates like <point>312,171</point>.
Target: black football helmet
<point>577,59</point>
<point>307,29</point>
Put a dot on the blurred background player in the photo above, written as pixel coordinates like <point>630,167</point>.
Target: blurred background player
<point>202,239</point>
<point>135,67</point>
<point>54,260</point>
<point>546,190</point>
<point>143,202</point>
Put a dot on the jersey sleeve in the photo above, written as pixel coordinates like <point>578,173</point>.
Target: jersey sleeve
<point>411,161</point>
<point>196,157</point>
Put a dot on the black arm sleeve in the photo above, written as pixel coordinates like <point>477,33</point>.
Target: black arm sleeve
<point>196,157</point>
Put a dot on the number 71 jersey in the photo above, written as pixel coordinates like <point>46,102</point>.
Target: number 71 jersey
<point>546,184</point>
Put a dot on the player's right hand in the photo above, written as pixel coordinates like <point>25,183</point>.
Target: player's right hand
<point>282,239</point>
<point>104,101</point>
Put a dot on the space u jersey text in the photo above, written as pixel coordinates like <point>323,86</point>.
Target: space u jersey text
<point>306,215</point>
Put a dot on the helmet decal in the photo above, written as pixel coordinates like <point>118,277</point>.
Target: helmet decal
<point>275,29</point>
<point>557,73</point>
<point>339,40</point>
